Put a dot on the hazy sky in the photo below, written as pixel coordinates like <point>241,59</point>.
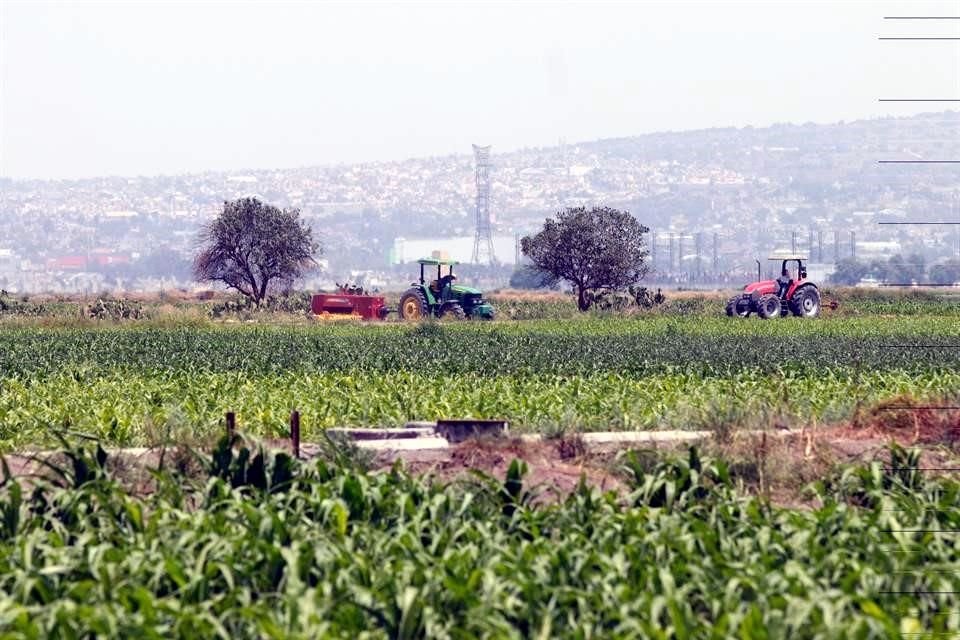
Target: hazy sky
<point>135,88</point>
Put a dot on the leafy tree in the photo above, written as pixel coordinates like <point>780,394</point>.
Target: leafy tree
<point>252,245</point>
<point>596,249</point>
<point>529,277</point>
<point>903,271</point>
<point>849,271</point>
<point>946,273</point>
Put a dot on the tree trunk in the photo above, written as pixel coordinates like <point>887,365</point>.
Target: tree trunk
<point>582,302</point>
<point>262,293</point>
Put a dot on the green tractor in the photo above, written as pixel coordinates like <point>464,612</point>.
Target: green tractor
<point>441,297</point>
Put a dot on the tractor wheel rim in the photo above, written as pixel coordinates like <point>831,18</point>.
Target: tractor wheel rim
<point>808,304</point>
<point>411,309</point>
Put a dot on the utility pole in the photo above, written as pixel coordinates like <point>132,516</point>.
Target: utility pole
<point>698,240</point>
<point>853,244</point>
<point>819,245</point>
<point>716,257</point>
<point>836,245</point>
<point>680,253</point>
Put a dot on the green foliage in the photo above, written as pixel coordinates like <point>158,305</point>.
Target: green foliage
<point>894,270</point>
<point>529,277</point>
<point>294,302</point>
<point>344,553</point>
<point>250,466</point>
<point>9,305</point>
<point>119,309</point>
<point>634,297</point>
<point>946,272</point>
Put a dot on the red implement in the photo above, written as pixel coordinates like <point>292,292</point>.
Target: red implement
<point>367,307</point>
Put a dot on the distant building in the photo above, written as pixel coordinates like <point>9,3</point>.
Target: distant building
<point>67,263</point>
<point>867,250</point>
<point>458,248</point>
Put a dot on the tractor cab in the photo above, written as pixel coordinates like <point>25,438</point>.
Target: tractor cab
<point>441,286</point>
<point>796,275</point>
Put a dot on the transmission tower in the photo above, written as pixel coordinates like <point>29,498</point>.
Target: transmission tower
<point>483,239</point>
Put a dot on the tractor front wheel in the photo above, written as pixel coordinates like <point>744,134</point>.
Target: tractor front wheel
<point>453,311</point>
<point>739,307</point>
<point>806,302</point>
<point>768,306</point>
<point>413,305</point>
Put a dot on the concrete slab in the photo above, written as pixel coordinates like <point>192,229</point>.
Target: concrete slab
<point>384,434</point>
<point>411,444</point>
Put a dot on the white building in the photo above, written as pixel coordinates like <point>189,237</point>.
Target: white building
<point>459,248</point>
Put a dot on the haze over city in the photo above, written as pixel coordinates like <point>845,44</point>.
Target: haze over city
<point>95,89</point>
<point>730,129</point>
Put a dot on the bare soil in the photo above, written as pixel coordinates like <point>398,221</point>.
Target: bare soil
<point>779,466</point>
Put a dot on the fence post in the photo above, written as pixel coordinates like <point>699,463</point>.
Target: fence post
<point>295,433</point>
<point>231,424</point>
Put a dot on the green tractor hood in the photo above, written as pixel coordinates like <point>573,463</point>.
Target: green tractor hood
<point>459,288</point>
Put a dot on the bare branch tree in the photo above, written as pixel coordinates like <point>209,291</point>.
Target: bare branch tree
<point>251,245</point>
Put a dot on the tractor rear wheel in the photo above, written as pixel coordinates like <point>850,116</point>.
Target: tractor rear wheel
<point>453,311</point>
<point>768,306</point>
<point>806,302</point>
<point>413,305</point>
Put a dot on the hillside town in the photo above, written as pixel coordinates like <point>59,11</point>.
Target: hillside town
<point>715,200</point>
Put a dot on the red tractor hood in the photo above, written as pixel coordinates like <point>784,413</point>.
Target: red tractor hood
<point>762,287</point>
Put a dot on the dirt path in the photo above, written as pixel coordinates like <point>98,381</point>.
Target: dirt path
<point>778,462</point>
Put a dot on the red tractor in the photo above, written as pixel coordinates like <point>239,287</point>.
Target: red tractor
<point>790,293</point>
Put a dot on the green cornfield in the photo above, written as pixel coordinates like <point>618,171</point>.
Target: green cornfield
<point>268,547</point>
<point>128,384</point>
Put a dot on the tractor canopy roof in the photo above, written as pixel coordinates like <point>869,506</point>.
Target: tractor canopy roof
<point>787,256</point>
<point>436,261</point>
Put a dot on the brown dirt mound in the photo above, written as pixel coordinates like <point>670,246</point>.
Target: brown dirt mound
<point>907,421</point>
<point>555,467</point>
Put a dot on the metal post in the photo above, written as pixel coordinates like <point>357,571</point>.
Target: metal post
<point>295,433</point>
<point>853,244</point>
<point>699,244</point>
<point>716,258</point>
